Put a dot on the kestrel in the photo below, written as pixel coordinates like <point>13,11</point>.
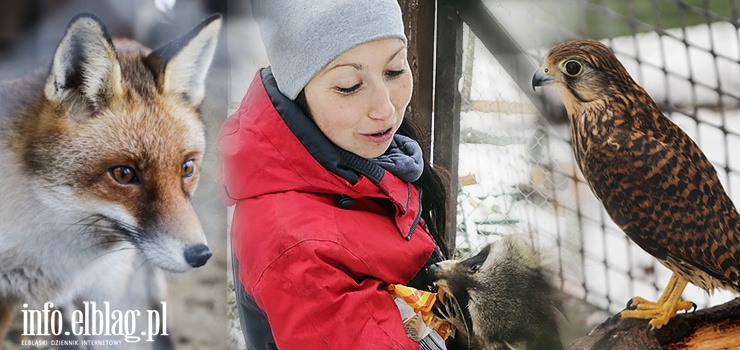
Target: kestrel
<point>653,180</point>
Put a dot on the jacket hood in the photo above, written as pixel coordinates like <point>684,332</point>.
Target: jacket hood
<point>269,145</point>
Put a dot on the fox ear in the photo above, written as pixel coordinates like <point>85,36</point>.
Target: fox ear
<point>85,65</point>
<point>181,65</point>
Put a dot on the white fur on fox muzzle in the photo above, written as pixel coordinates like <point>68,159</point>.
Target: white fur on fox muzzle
<point>180,240</point>
<point>173,255</point>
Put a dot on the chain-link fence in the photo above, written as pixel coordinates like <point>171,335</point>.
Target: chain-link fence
<point>517,170</point>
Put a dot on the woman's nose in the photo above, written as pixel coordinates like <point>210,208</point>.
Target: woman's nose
<point>381,103</point>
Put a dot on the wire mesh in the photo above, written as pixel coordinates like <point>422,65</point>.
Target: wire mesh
<point>517,170</point>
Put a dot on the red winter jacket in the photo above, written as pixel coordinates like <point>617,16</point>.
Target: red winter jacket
<point>318,232</point>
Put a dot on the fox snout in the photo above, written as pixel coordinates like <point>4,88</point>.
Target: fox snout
<point>197,255</point>
<point>173,255</point>
<point>174,240</point>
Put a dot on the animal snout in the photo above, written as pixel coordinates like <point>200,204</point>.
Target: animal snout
<point>433,271</point>
<point>197,255</point>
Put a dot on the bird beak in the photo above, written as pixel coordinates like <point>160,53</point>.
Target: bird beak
<point>541,78</point>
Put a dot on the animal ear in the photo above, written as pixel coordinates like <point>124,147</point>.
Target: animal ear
<point>85,68</point>
<point>181,65</point>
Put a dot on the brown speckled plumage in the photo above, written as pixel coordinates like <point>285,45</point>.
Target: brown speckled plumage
<point>653,180</point>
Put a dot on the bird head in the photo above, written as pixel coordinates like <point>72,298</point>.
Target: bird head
<point>583,71</point>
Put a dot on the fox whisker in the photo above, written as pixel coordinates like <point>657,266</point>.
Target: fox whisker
<point>105,224</point>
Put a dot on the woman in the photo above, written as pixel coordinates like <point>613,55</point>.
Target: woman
<point>328,180</point>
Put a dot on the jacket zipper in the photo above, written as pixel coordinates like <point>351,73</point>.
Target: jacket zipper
<point>418,215</point>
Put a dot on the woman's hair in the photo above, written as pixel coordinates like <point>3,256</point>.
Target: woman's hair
<point>432,183</point>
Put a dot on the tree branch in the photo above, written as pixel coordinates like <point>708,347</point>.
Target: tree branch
<point>713,328</point>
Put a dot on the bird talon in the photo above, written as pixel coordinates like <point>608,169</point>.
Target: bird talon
<point>659,322</point>
<point>637,303</point>
<point>648,329</point>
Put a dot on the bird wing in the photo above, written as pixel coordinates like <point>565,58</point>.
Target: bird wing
<point>664,202</point>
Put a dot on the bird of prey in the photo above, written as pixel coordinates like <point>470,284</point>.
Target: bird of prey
<point>653,180</point>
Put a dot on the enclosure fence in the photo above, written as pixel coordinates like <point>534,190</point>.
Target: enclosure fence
<point>517,172</point>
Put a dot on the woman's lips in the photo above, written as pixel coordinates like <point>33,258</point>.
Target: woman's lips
<point>379,137</point>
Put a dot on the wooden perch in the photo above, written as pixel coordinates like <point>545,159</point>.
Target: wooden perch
<point>714,328</point>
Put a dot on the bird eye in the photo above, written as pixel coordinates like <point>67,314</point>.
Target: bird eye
<point>188,168</point>
<point>124,175</point>
<point>573,68</point>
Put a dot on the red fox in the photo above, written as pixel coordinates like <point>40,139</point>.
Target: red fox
<point>100,155</point>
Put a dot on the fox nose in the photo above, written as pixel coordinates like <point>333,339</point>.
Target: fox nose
<point>197,255</point>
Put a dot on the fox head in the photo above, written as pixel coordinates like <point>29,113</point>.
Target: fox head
<point>116,142</point>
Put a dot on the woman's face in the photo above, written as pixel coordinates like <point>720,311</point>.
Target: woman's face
<point>358,100</point>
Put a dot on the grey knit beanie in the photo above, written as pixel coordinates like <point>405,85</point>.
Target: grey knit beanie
<point>303,36</point>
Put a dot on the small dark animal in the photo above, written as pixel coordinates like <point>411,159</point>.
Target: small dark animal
<point>499,299</point>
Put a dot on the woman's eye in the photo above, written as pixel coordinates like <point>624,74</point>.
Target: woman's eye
<point>348,90</point>
<point>394,73</point>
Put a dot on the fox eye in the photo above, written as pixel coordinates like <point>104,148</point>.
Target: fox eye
<point>475,267</point>
<point>124,175</point>
<point>573,68</point>
<point>188,168</point>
